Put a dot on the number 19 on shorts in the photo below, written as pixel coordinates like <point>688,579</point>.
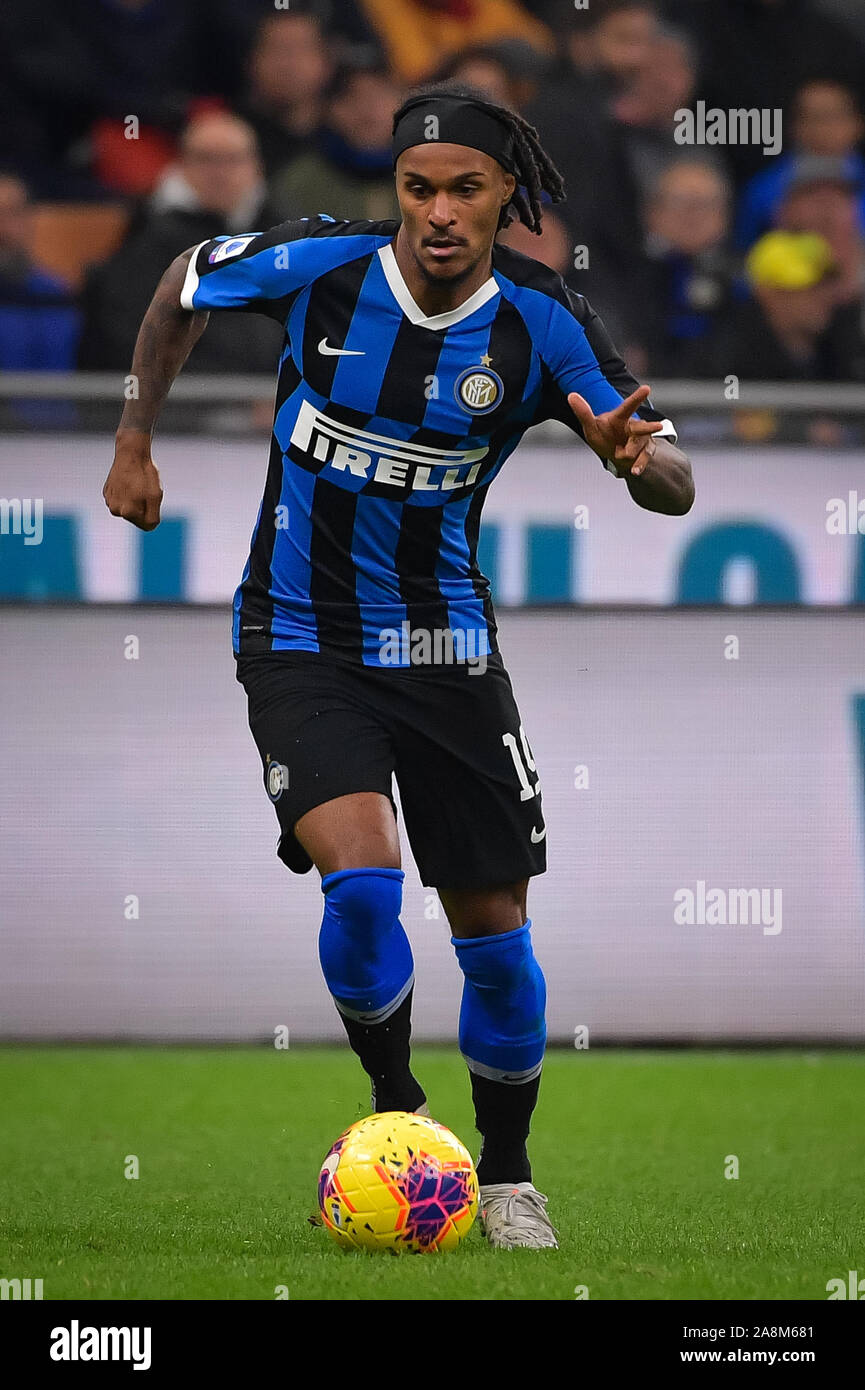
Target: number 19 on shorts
<point>524,763</point>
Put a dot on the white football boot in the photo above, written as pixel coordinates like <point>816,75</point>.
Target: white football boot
<point>514,1215</point>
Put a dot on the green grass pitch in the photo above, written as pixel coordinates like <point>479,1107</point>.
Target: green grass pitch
<point>630,1147</point>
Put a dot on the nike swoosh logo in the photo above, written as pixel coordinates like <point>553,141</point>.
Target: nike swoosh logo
<point>538,835</point>
<point>337,352</point>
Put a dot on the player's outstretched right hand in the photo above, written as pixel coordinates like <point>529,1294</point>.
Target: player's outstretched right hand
<point>132,489</point>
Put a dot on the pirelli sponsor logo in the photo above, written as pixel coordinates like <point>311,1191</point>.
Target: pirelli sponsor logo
<point>376,458</point>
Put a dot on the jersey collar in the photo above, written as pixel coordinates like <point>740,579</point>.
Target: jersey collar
<point>413,312</point>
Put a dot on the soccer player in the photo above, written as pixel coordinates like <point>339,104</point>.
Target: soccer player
<point>417,352</point>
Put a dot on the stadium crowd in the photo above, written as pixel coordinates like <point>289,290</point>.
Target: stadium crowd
<point>131,129</point>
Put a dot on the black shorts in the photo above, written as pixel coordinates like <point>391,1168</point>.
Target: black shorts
<point>469,790</point>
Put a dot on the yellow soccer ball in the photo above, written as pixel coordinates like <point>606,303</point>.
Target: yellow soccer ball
<point>398,1182</point>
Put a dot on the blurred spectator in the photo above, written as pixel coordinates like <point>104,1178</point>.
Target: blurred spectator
<point>792,330</point>
<point>824,198</point>
<point>348,171</point>
<point>646,107</point>
<point>509,71</point>
<point>64,64</point>
<point>571,113</point>
<point>602,85</point>
<point>39,324</point>
<point>755,54</point>
<point>289,67</point>
<point>219,172</point>
<point>417,35</point>
<point>691,275</point>
<point>614,38</point>
<point>825,122</point>
<point>552,247</point>
<point>478,68</point>
<point>216,189</point>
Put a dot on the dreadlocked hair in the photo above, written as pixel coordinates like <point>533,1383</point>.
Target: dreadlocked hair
<point>535,172</point>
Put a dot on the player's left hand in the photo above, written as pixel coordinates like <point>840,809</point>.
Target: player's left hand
<point>615,435</point>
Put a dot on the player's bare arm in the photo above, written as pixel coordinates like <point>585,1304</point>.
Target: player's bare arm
<point>167,335</point>
<point>658,473</point>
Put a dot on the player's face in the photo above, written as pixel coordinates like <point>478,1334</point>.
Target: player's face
<point>451,198</point>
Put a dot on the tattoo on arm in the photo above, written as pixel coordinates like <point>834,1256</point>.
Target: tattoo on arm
<point>167,335</point>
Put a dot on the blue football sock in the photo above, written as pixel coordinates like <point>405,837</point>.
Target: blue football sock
<point>367,963</point>
<point>502,1038</point>
<point>502,1029</point>
<point>364,952</point>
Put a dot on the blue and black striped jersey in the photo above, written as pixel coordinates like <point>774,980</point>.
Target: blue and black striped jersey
<point>389,427</point>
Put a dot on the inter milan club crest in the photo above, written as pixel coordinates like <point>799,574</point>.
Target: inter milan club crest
<point>479,389</point>
<point>276,778</point>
